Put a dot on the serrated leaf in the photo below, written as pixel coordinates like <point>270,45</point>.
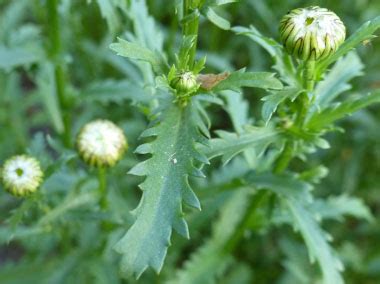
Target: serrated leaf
<point>272,101</point>
<point>111,91</point>
<point>146,30</point>
<point>135,51</point>
<point>336,207</point>
<point>239,79</point>
<point>296,195</point>
<point>317,243</point>
<point>337,111</point>
<point>365,32</point>
<point>336,81</point>
<point>230,144</point>
<point>165,188</point>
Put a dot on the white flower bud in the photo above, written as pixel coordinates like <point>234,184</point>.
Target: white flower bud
<point>21,175</point>
<point>312,33</point>
<point>101,143</point>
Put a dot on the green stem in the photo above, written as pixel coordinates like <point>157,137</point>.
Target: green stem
<point>191,26</point>
<point>59,74</point>
<point>102,179</point>
<point>254,203</point>
<point>308,85</point>
<point>286,156</point>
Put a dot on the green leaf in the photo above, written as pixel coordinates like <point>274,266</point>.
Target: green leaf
<point>365,32</point>
<point>12,15</point>
<point>146,30</point>
<point>272,101</point>
<point>220,2</point>
<point>228,145</point>
<point>18,233</point>
<point>111,91</point>
<point>296,195</point>
<point>183,56</point>
<point>330,114</point>
<point>336,82</point>
<point>338,206</point>
<point>210,259</point>
<point>317,242</point>
<point>165,188</point>
<point>298,270</point>
<point>11,58</point>
<point>238,79</point>
<point>237,108</point>
<point>216,19</point>
<point>109,12</point>
<point>135,51</point>
<point>47,91</point>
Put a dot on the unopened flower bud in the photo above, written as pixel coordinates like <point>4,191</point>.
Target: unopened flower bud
<point>101,143</point>
<point>312,33</point>
<point>184,82</point>
<point>21,175</point>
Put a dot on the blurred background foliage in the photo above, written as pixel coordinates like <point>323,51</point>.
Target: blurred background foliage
<point>60,236</point>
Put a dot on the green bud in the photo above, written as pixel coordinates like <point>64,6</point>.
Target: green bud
<point>101,143</point>
<point>184,83</point>
<point>312,33</point>
<point>21,175</point>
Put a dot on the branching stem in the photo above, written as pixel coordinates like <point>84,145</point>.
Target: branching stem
<point>285,157</point>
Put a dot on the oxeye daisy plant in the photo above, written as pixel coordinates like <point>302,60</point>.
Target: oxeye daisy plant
<point>189,141</point>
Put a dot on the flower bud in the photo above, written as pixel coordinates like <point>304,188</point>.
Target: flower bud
<point>312,33</point>
<point>101,143</point>
<point>21,175</point>
<point>184,82</point>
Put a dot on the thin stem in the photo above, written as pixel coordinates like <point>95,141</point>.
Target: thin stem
<point>309,76</point>
<point>308,84</point>
<point>191,26</point>
<point>59,74</point>
<point>102,179</point>
<point>255,202</point>
<point>285,158</point>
